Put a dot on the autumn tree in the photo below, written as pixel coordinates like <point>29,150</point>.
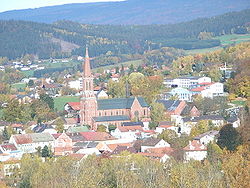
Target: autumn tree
<point>157,112</point>
<point>59,125</point>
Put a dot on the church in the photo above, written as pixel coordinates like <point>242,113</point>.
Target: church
<point>93,112</point>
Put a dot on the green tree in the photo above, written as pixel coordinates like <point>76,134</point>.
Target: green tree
<point>229,138</point>
<point>157,112</point>
<point>168,135</point>
<point>48,100</point>
<point>31,83</point>
<point>214,153</point>
<point>101,128</point>
<point>59,125</point>
<point>6,135</point>
<point>46,151</point>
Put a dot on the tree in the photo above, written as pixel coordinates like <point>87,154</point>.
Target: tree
<point>229,138</point>
<point>201,127</point>
<point>157,112</point>
<point>48,100</point>
<point>168,135</point>
<point>46,151</point>
<point>60,125</point>
<point>101,128</point>
<point>31,83</point>
<point>214,153</point>
<point>6,135</point>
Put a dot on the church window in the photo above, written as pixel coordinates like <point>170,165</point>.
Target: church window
<point>111,113</point>
<point>144,112</point>
<point>116,112</point>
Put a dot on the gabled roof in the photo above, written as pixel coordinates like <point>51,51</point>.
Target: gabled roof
<point>74,105</point>
<point>33,138</point>
<point>120,149</point>
<point>166,124</point>
<point>119,103</point>
<point>8,147</point>
<point>111,118</point>
<point>170,105</point>
<point>209,133</point>
<point>167,150</point>
<point>96,136</point>
<point>150,141</point>
<point>195,145</point>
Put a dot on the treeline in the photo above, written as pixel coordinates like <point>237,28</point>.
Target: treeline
<point>21,37</point>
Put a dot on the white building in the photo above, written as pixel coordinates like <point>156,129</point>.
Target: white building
<point>182,94</point>
<point>187,81</point>
<point>153,143</point>
<point>209,90</point>
<point>76,84</point>
<point>195,151</point>
<point>207,137</point>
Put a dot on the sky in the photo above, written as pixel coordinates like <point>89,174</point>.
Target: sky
<point>6,5</point>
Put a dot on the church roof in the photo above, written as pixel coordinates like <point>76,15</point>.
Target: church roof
<point>111,118</point>
<point>119,103</point>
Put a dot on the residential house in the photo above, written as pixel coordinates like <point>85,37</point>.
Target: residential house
<point>18,128</point>
<point>166,125</point>
<point>234,120</point>
<point>207,137</point>
<point>153,143</point>
<point>63,145</point>
<point>162,157</point>
<point>28,143</point>
<point>195,151</point>
<point>9,151</point>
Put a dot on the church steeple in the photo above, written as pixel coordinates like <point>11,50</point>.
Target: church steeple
<point>86,66</point>
<point>88,100</point>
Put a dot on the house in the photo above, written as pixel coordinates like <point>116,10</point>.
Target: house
<point>234,120</point>
<point>96,136</point>
<point>153,143</point>
<point>86,147</point>
<point>209,90</point>
<point>190,110</point>
<point>166,125</point>
<point>9,151</point>
<point>181,93</point>
<point>173,107</point>
<point>187,82</point>
<point>207,137</point>
<point>63,145</point>
<point>129,132</point>
<point>119,149</point>
<point>187,123</point>
<point>18,128</point>
<point>75,84</point>
<point>28,143</point>
<point>101,94</point>
<point>195,151</point>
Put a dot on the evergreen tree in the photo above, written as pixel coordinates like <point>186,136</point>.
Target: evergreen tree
<point>6,135</point>
<point>229,138</point>
<point>46,152</point>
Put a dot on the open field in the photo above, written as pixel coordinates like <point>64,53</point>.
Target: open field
<point>225,40</point>
<point>18,85</point>
<point>61,101</point>
<point>239,102</point>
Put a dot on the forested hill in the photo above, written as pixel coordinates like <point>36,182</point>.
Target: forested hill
<point>63,38</point>
<point>129,12</point>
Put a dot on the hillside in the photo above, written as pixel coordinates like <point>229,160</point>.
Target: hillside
<point>141,12</point>
<point>66,38</point>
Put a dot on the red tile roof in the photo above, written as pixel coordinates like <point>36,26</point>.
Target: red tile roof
<point>11,147</point>
<point>23,139</point>
<point>167,150</point>
<point>195,145</point>
<point>74,105</point>
<point>199,89</point>
<point>16,125</point>
<point>97,136</point>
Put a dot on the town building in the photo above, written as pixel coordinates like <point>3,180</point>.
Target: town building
<point>195,151</point>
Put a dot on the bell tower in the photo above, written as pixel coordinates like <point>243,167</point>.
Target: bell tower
<point>88,103</point>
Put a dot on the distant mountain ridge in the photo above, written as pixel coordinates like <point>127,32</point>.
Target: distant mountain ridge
<point>139,12</point>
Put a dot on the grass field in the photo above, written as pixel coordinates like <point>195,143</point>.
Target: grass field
<point>61,101</point>
<point>18,85</point>
<point>239,103</point>
<point>225,40</point>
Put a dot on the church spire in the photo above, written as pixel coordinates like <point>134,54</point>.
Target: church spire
<point>86,66</point>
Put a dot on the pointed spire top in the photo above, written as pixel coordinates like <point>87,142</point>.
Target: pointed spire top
<point>87,51</point>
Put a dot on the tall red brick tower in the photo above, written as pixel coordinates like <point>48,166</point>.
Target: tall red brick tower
<point>88,99</point>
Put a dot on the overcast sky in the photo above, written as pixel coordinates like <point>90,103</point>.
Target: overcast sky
<point>6,5</point>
